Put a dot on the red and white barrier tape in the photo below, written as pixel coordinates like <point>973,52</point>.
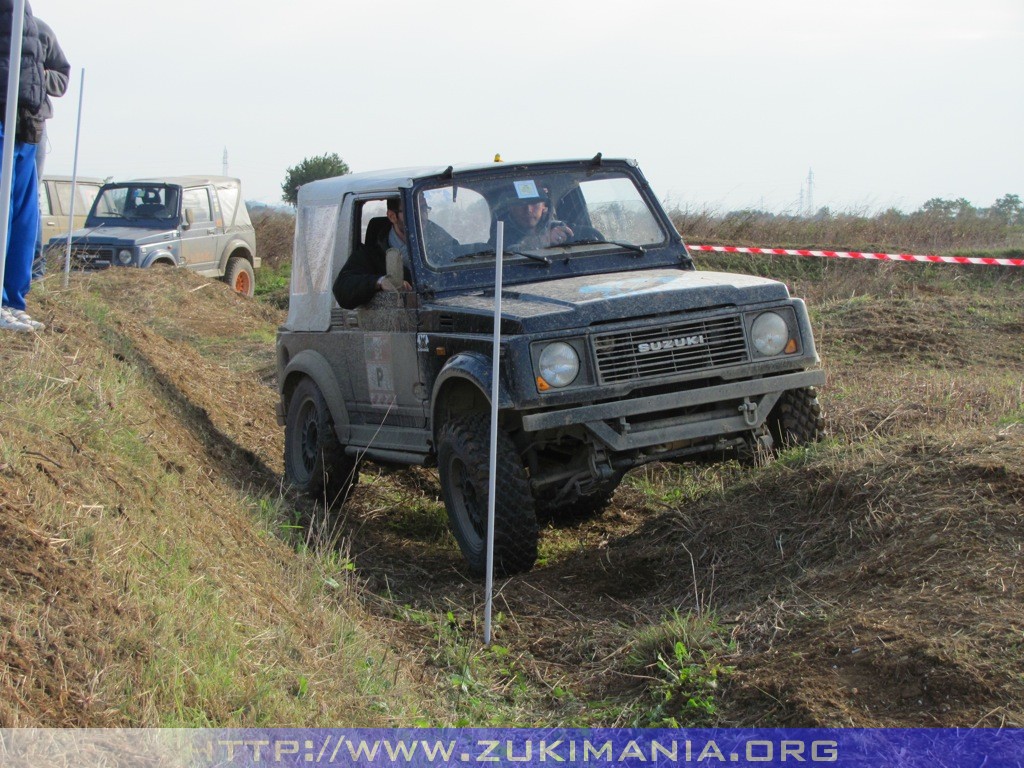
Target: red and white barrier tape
<point>858,255</point>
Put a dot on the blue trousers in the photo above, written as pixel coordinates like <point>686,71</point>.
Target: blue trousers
<point>23,225</point>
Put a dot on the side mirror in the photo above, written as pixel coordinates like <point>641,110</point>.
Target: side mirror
<point>190,217</point>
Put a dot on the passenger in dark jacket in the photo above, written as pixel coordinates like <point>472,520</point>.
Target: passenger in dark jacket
<point>365,272</point>
<point>24,202</point>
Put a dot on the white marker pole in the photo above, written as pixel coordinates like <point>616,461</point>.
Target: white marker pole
<point>10,129</point>
<point>492,475</point>
<point>74,181</point>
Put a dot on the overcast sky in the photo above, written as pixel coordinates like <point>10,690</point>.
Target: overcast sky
<point>726,104</point>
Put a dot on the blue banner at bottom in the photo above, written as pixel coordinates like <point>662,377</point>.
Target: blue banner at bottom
<point>430,747</point>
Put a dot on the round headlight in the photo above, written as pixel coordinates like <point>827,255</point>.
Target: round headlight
<point>124,257</point>
<point>770,334</point>
<point>559,364</point>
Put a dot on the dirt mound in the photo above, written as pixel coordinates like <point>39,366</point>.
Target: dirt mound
<point>859,584</point>
<point>50,657</point>
<point>140,483</point>
<point>66,473</point>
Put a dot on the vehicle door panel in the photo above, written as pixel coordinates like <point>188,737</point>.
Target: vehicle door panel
<point>199,239</point>
<point>386,384</point>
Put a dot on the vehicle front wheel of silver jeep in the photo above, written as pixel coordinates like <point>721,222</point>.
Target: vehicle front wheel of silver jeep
<point>463,465</point>
<point>239,275</point>
<point>796,419</point>
<point>315,462</point>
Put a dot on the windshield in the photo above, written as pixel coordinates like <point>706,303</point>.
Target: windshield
<point>545,213</point>
<point>136,203</point>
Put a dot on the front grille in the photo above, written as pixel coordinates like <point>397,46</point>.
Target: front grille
<point>666,350</point>
<point>91,258</point>
<point>92,254</point>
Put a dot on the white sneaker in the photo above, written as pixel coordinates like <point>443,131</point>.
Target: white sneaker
<point>8,322</point>
<point>22,317</point>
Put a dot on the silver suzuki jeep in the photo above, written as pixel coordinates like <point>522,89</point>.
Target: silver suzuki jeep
<point>615,351</point>
<point>197,222</point>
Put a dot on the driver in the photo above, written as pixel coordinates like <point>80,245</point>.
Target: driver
<point>530,223</point>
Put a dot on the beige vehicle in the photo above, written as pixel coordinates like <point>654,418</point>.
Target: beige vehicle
<point>55,203</point>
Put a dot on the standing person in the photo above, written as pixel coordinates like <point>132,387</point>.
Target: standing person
<point>24,202</point>
<point>57,72</point>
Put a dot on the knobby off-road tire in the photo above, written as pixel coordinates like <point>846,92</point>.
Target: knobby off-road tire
<point>314,460</point>
<point>462,455</point>
<point>239,275</point>
<point>796,419</point>
<point>583,507</point>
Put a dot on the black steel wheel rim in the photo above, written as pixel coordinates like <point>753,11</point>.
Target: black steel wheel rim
<point>466,496</point>
<point>309,443</point>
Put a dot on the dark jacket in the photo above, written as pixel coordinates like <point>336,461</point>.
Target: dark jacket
<point>32,84</point>
<point>356,284</point>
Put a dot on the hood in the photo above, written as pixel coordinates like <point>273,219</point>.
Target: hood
<point>618,296</point>
<point>120,236</point>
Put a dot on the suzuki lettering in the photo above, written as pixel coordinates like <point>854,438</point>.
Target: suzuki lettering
<point>682,341</point>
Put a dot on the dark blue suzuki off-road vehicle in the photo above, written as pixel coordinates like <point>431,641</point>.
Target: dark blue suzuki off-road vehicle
<point>615,350</point>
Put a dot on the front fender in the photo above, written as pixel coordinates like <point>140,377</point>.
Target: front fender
<point>315,366</point>
<point>161,254</point>
<point>472,368</point>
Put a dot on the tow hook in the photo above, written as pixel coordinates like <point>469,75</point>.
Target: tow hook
<point>749,411</point>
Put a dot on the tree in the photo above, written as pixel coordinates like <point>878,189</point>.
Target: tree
<point>949,209</point>
<point>311,169</point>
<point>1009,209</point>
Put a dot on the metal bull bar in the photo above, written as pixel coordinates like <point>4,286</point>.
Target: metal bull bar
<point>595,418</point>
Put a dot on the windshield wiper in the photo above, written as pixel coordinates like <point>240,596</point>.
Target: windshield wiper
<point>474,255</point>
<point>534,256</point>
<point>490,252</point>
<point>637,249</point>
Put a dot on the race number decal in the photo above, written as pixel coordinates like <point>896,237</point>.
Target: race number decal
<point>379,378</point>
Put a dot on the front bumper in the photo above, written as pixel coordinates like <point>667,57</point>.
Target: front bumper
<point>615,424</point>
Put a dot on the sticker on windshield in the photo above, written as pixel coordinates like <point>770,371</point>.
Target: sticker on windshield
<point>526,189</point>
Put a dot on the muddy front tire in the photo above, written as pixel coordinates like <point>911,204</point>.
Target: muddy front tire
<point>239,275</point>
<point>463,465</point>
<point>796,419</point>
<point>314,460</point>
